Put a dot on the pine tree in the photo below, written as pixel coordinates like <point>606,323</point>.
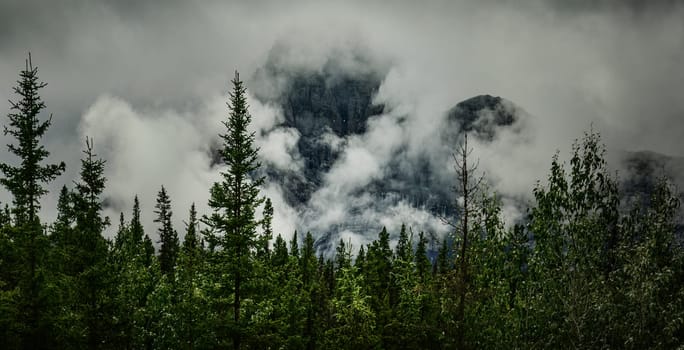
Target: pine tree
<point>294,246</point>
<point>360,262</point>
<point>342,258</point>
<point>266,230</point>
<point>92,275</point>
<point>168,251</point>
<point>26,182</point>
<point>280,253</point>
<point>421,258</point>
<point>232,225</point>
<point>404,250</point>
<point>378,279</point>
<point>354,324</point>
<point>311,290</point>
<point>191,244</point>
<point>192,305</point>
<point>136,230</point>
<point>62,236</point>
<point>148,249</point>
<point>87,202</point>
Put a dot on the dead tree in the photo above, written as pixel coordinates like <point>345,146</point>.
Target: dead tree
<point>467,187</point>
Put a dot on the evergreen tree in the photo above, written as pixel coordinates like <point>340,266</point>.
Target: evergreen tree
<point>404,250</point>
<point>26,182</point>
<point>422,261</point>
<point>443,263</point>
<point>342,258</point>
<point>354,324</point>
<point>311,289</point>
<point>192,306</point>
<point>378,280</point>
<point>93,276</point>
<point>168,251</point>
<point>294,246</point>
<point>280,253</point>
<point>233,201</point>
<point>62,236</point>
<point>148,249</point>
<point>136,230</point>
<point>360,262</point>
<point>136,277</point>
<point>266,230</point>
<point>191,244</point>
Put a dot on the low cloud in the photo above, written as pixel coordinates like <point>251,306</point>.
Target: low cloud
<point>148,83</point>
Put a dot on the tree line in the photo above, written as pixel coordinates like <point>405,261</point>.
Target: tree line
<point>584,269</point>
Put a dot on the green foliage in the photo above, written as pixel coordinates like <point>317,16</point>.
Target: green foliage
<point>25,182</point>
<point>354,324</point>
<point>168,251</point>
<point>581,271</point>
<point>28,288</point>
<point>232,224</point>
<point>574,225</point>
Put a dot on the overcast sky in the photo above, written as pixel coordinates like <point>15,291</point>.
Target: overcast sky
<point>148,79</point>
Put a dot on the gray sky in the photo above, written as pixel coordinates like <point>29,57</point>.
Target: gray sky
<point>147,80</point>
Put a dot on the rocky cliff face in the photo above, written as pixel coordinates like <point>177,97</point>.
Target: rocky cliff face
<point>319,105</point>
<point>328,107</point>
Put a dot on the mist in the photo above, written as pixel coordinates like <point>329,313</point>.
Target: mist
<point>148,81</point>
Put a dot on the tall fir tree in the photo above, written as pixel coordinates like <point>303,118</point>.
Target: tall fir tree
<point>191,243</point>
<point>136,230</point>
<point>404,249</point>
<point>280,254</point>
<point>93,276</point>
<point>26,182</point>
<point>266,235</point>
<point>294,245</point>
<point>232,224</point>
<point>169,247</point>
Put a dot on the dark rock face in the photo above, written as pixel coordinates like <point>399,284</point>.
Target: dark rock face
<point>333,103</point>
<point>481,115</point>
<point>641,172</point>
<point>330,102</point>
<point>315,105</point>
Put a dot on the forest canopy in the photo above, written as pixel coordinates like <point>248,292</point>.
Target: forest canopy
<point>582,269</point>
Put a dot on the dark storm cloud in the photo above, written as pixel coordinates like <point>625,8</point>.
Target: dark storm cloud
<point>633,6</point>
<point>148,78</point>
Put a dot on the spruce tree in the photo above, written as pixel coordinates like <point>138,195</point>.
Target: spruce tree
<point>280,254</point>
<point>92,249</point>
<point>266,230</point>
<point>136,230</point>
<point>168,251</point>
<point>421,258</point>
<point>233,200</point>
<point>342,258</point>
<point>191,244</point>
<point>404,250</point>
<point>443,264</point>
<point>26,182</point>
<point>294,246</point>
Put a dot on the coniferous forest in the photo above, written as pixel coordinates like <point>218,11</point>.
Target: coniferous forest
<point>582,269</point>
